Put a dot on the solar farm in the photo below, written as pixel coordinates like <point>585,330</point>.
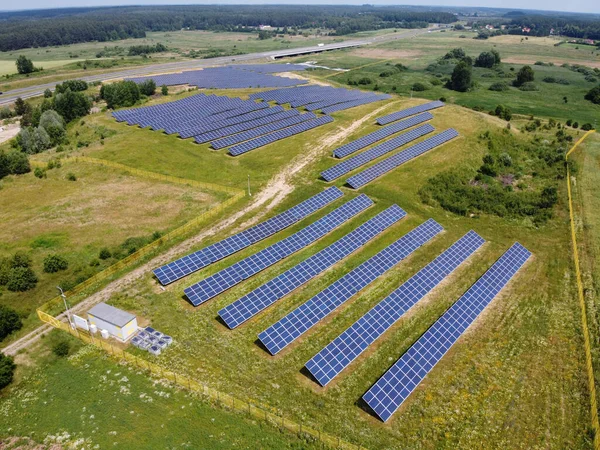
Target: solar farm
<point>342,301</point>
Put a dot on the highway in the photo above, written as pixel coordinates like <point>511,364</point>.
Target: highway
<point>9,97</point>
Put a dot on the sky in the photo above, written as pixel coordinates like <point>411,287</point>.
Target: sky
<point>590,6</point>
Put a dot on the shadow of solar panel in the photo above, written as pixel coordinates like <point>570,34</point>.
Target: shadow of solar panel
<point>265,129</point>
<point>354,103</point>
<point>240,271</point>
<point>261,298</point>
<point>191,263</point>
<point>278,135</point>
<point>394,387</point>
<point>389,164</point>
<point>376,152</point>
<point>300,320</point>
<point>380,134</point>
<point>409,112</point>
<point>344,349</point>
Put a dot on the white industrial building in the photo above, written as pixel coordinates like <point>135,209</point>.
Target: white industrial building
<point>119,324</point>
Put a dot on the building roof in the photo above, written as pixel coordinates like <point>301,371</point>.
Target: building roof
<point>110,314</point>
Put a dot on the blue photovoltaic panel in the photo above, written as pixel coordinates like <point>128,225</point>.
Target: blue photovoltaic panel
<point>409,112</point>
<point>376,152</point>
<point>380,134</point>
<point>389,164</point>
<point>354,103</point>
<point>344,349</point>
<point>278,135</point>
<point>191,263</point>
<point>296,323</point>
<point>240,271</point>
<point>265,129</point>
<point>390,391</point>
<point>267,294</point>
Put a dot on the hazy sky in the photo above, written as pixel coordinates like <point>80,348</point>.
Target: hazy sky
<point>558,5</point>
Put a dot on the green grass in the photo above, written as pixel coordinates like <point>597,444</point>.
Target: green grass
<point>89,398</point>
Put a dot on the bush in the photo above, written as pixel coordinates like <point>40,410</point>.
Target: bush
<point>104,254</point>
<point>528,87</point>
<point>72,85</point>
<point>461,77</point>
<point>123,93</point>
<point>148,87</point>
<point>39,172</point>
<point>575,124</point>
<point>55,263</point>
<point>587,127</point>
<point>47,93</point>
<point>71,176</point>
<point>419,87</point>
<point>61,349</point>
<point>72,105</point>
<point>21,279</point>
<point>9,321</point>
<point>364,81</point>
<point>54,125</point>
<point>485,59</point>
<point>386,73</point>
<point>435,82</point>
<point>525,75</point>
<point>499,86</point>
<point>503,112</point>
<point>13,163</point>
<point>164,90</point>
<point>7,370</point>
<point>593,95</point>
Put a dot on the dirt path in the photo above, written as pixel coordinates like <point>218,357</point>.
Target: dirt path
<point>278,188</point>
<point>10,131</point>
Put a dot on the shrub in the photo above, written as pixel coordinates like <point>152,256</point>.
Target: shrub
<point>386,73</point>
<point>39,172</point>
<point>485,59</point>
<point>456,53</point>
<point>569,122</point>
<point>499,86</point>
<point>593,95</point>
<point>21,279</point>
<point>7,370</point>
<point>61,349</point>
<point>461,77</point>
<point>164,90</point>
<point>55,263</point>
<point>587,127</point>
<point>364,81</point>
<point>54,125</point>
<point>9,321</point>
<point>525,75</point>
<point>148,87</point>
<point>104,254</point>
<point>575,124</point>
<point>419,87</point>
<point>71,176</point>
<point>503,112</point>
<point>47,93</point>
<point>72,105</point>
<point>13,163</point>
<point>529,86</point>
<point>123,93</point>
<point>72,85</point>
<point>435,82</point>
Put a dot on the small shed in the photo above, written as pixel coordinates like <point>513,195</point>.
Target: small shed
<point>119,324</point>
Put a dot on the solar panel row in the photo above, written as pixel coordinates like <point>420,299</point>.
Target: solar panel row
<point>191,263</point>
<point>354,103</point>
<point>380,134</point>
<point>376,152</point>
<point>278,135</point>
<point>394,387</point>
<point>259,131</point>
<point>261,298</point>
<point>344,349</point>
<point>212,286</point>
<point>409,112</point>
<point>388,164</point>
<point>297,322</point>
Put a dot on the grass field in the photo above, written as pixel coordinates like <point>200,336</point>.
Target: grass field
<point>89,401</point>
<point>516,379</point>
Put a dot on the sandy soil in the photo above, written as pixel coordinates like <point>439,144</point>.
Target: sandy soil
<point>10,131</point>
<point>295,76</point>
<point>556,61</point>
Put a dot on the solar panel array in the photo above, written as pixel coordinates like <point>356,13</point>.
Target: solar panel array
<point>297,322</point>
<point>232,275</point>
<point>388,164</point>
<point>259,299</point>
<point>324,98</point>
<point>394,387</point>
<point>409,112</point>
<point>266,139</point>
<point>191,263</point>
<point>376,152</point>
<point>344,349</point>
<point>264,129</point>
<point>228,77</point>
<point>380,134</point>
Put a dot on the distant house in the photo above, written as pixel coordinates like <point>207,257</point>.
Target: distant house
<point>489,27</point>
<point>525,29</point>
<point>265,27</point>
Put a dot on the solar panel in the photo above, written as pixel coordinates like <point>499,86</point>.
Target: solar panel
<point>389,164</point>
<point>252,144</point>
<point>394,387</point>
<point>238,272</point>
<point>376,152</point>
<point>259,299</point>
<point>409,112</point>
<point>344,349</point>
<point>191,263</point>
<point>354,103</point>
<point>297,322</point>
<point>265,129</point>
<point>380,134</point>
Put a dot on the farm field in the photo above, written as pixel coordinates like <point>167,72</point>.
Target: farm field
<point>530,328</point>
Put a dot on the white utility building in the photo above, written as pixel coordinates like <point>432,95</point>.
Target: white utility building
<point>119,324</point>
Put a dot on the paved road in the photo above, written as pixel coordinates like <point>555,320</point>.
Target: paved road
<point>9,97</point>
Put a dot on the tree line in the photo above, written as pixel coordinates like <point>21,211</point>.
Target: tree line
<point>542,25</point>
<point>71,26</point>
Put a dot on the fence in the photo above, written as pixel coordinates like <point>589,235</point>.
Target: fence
<point>257,411</point>
<point>586,333</point>
<point>152,246</point>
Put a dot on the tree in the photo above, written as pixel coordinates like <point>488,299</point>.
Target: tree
<point>594,95</point>
<point>461,77</point>
<point>47,93</point>
<point>164,90</point>
<point>525,75</point>
<point>9,321</point>
<point>497,57</point>
<point>13,163</point>
<point>55,263</point>
<point>73,85</point>
<point>54,125</point>
<point>7,370</point>
<point>72,105</point>
<point>24,65</point>
<point>485,59</point>
<point>123,93</point>
<point>21,279</point>
<point>148,87</point>
<point>455,53</point>
<point>20,106</point>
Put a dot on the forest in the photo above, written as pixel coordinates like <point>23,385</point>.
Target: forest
<point>564,26</point>
<point>74,25</point>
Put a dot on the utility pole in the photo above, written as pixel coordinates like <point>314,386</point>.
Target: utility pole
<point>249,193</point>
<point>64,297</point>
